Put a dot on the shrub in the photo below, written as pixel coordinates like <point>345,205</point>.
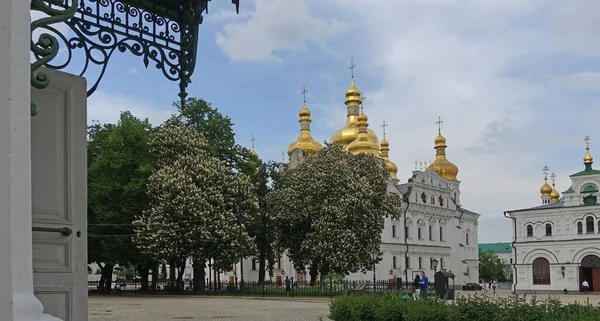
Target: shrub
<point>475,307</point>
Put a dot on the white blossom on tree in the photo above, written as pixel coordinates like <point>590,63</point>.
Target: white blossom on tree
<point>331,209</point>
<point>195,200</point>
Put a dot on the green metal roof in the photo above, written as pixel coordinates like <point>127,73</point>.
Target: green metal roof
<point>570,190</point>
<point>586,172</point>
<point>495,247</point>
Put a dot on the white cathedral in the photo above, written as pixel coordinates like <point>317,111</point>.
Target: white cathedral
<point>556,246</point>
<point>435,232</point>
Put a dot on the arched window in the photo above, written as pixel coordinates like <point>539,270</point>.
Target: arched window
<point>467,238</point>
<point>541,271</point>
<point>579,228</point>
<point>548,229</point>
<point>589,224</point>
<point>529,230</point>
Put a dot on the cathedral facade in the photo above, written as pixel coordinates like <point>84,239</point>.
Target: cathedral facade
<point>556,245</point>
<point>435,232</point>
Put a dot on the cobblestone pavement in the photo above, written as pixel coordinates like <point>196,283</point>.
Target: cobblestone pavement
<point>113,308</point>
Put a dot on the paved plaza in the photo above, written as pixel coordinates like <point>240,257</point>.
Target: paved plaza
<point>149,308</point>
<point>115,308</point>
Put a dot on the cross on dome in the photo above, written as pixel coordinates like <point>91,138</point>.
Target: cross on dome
<point>553,177</point>
<point>303,92</point>
<point>587,141</point>
<point>252,139</point>
<point>352,65</point>
<point>545,170</point>
<point>439,123</point>
<point>384,125</point>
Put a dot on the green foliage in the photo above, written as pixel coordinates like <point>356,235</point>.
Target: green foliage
<point>217,131</point>
<point>194,202</point>
<point>126,272</point>
<point>119,164</point>
<point>330,210</point>
<point>514,308</point>
<point>492,268</point>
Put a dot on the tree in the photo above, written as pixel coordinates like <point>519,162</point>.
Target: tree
<point>215,128</point>
<point>119,163</point>
<point>330,211</point>
<point>261,225</point>
<point>195,206</point>
<point>492,268</point>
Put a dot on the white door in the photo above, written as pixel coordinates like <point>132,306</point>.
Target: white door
<point>59,196</point>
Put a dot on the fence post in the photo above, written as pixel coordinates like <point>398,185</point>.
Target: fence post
<point>292,287</point>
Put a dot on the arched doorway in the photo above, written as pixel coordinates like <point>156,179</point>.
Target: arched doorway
<point>590,271</point>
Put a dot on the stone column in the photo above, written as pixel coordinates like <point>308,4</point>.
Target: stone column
<point>17,302</point>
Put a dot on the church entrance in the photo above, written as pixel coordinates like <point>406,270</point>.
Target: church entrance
<point>590,271</point>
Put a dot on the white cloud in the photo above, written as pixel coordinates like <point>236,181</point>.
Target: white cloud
<point>106,108</point>
<point>580,81</point>
<point>275,26</point>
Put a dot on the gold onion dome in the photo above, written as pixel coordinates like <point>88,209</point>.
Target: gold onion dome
<point>546,189</point>
<point>587,158</point>
<point>554,195</point>
<point>442,165</point>
<point>385,148</point>
<point>347,134</point>
<point>253,152</point>
<point>362,144</point>
<point>305,140</point>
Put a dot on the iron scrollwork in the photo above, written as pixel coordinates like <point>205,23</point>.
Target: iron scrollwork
<point>163,33</point>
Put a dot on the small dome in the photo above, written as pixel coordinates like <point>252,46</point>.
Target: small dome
<point>587,158</point>
<point>546,189</point>
<point>554,195</point>
<point>384,143</point>
<point>304,112</point>
<point>440,141</point>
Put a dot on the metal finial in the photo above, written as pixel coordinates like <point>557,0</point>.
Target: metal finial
<point>553,177</point>
<point>384,125</point>
<point>439,123</point>
<point>303,92</point>
<point>252,139</point>
<point>587,141</point>
<point>545,170</point>
<point>352,65</point>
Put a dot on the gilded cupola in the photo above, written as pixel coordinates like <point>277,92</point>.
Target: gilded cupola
<point>442,165</point>
<point>384,151</point>
<point>362,144</point>
<point>546,189</point>
<point>587,159</point>
<point>305,140</point>
<point>554,195</point>
<point>253,152</point>
<point>347,134</point>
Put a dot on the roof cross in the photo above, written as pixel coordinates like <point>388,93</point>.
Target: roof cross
<point>352,65</point>
<point>553,177</point>
<point>545,170</point>
<point>384,125</point>
<point>587,141</point>
<point>252,139</point>
<point>439,123</point>
<point>303,92</point>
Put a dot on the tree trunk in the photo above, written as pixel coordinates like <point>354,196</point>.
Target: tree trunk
<point>314,272</point>
<point>324,272</point>
<point>100,286</point>
<point>216,282</point>
<point>262,268</point>
<point>199,274</point>
<point>144,271</point>
<point>106,278</point>
<point>154,277</point>
<point>172,275</point>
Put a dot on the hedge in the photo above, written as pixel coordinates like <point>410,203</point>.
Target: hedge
<point>479,308</point>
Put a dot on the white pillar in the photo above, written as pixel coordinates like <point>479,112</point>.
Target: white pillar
<point>17,302</point>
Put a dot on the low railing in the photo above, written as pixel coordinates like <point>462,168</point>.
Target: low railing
<point>321,288</point>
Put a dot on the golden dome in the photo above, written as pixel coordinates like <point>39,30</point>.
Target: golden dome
<point>587,158</point>
<point>305,140</point>
<point>546,189</point>
<point>555,195</point>
<point>362,144</point>
<point>253,152</point>
<point>347,134</point>
<point>442,165</point>
<point>392,168</point>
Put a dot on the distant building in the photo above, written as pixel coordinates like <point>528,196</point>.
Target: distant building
<point>503,251</point>
<point>557,244</point>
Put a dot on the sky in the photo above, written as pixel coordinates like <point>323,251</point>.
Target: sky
<point>516,83</point>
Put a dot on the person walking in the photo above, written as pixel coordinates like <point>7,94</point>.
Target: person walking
<point>585,286</point>
<point>417,287</point>
<point>287,286</point>
<point>424,285</point>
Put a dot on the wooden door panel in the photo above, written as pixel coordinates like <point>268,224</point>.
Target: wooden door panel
<point>59,196</point>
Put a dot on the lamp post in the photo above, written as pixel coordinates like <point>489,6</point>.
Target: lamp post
<point>435,264</point>
<point>374,257</point>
